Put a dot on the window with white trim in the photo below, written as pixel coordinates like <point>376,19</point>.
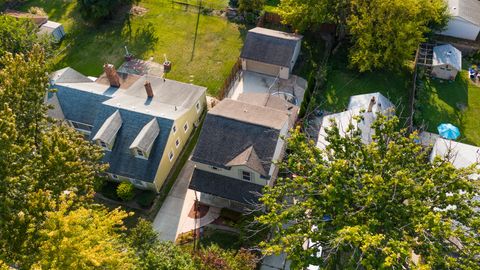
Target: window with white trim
<point>174,128</point>
<point>82,127</point>
<point>177,142</point>
<point>247,176</point>
<point>197,106</point>
<point>139,153</point>
<point>170,155</point>
<point>114,176</point>
<point>185,127</point>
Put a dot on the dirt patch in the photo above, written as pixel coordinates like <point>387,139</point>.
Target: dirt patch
<point>202,210</point>
<point>138,11</point>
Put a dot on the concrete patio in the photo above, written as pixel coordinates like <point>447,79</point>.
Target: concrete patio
<point>252,82</point>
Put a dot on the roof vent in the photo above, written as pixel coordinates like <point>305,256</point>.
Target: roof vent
<point>112,75</point>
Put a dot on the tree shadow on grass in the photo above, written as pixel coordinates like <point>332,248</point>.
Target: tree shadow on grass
<point>88,48</point>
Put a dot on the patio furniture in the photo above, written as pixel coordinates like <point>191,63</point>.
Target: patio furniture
<point>448,131</point>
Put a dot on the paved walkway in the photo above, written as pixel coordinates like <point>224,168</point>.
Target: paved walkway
<point>172,219</point>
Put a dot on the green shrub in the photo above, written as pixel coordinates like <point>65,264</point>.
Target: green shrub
<point>145,199</point>
<point>126,191</point>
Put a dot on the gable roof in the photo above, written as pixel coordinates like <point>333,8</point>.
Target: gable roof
<point>225,187</point>
<point>459,154</point>
<point>447,55</point>
<point>147,136</point>
<point>222,140</point>
<point>68,75</point>
<point>252,114</point>
<point>468,10</point>
<point>270,46</point>
<point>109,128</point>
<point>362,102</point>
<point>249,159</point>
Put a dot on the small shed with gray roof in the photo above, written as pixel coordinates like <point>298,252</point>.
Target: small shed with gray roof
<point>446,62</point>
<point>270,52</point>
<point>464,22</point>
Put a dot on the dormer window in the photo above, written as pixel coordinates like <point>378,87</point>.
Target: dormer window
<point>247,176</point>
<point>107,133</point>
<point>143,143</point>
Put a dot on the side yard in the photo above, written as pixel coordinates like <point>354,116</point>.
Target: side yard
<point>456,102</point>
<point>162,29</point>
<point>343,83</point>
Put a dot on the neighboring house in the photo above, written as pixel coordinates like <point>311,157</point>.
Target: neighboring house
<point>446,62</point>
<point>270,52</point>
<point>45,26</point>
<point>370,104</point>
<point>236,150</point>
<point>465,19</point>
<point>142,122</point>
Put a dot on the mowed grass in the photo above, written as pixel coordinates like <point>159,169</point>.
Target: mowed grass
<point>165,29</point>
<point>343,82</point>
<point>456,102</point>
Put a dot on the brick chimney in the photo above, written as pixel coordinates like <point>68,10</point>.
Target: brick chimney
<point>148,88</point>
<point>112,75</point>
<point>370,106</point>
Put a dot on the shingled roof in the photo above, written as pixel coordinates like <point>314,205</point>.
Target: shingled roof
<point>447,55</point>
<point>466,9</point>
<point>270,46</point>
<point>225,187</point>
<point>233,131</point>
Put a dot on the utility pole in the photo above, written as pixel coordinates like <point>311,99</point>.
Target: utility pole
<point>196,28</point>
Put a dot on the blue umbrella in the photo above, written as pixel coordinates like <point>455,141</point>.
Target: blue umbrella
<point>448,131</point>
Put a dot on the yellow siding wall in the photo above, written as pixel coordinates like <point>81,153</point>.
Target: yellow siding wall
<point>191,117</point>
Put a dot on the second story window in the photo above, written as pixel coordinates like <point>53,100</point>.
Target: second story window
<point>170,156</point>
<point>177,143</point>
<point>197,106</point>
<point>185,127</point>
<point>174,128</point>
<point>247,176</point>
<point>140,153</point>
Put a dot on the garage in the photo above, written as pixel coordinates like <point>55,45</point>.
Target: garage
<point>263,68</point>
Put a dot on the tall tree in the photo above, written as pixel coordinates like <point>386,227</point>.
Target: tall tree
<point>383,34</point>
<point>20,36</point>
<point>386,33</point>
<point>83,239</point>
<point>372,206</point>
<point>39,161</point>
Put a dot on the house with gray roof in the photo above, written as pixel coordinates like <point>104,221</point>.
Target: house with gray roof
<point>236,150</point>
<point>446,62</point>
<point>464,22</point>
<point>270,52</point>
<point>142,122</point>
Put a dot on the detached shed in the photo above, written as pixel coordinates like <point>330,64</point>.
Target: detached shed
<point>52,28</point>
<point>446,62</point>
<point>270,52</point>
<point>465,19</point>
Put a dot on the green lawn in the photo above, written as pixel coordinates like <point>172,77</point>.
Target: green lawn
<point>343,83</point>
<point>162,30</point>
<point>455,102</point>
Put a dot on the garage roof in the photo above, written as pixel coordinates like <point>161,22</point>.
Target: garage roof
<point>270,46</point>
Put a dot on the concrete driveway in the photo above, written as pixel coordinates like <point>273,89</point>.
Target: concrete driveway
<point>176,206</point>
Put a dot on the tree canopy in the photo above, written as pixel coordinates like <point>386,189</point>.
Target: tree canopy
<point>97,10</point>
<point>376,206</point>
<point>383,33</point>
<point>20,36</point>
<point>39,160</point>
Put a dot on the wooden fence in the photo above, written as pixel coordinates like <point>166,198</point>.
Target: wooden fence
<point>230,80</point>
